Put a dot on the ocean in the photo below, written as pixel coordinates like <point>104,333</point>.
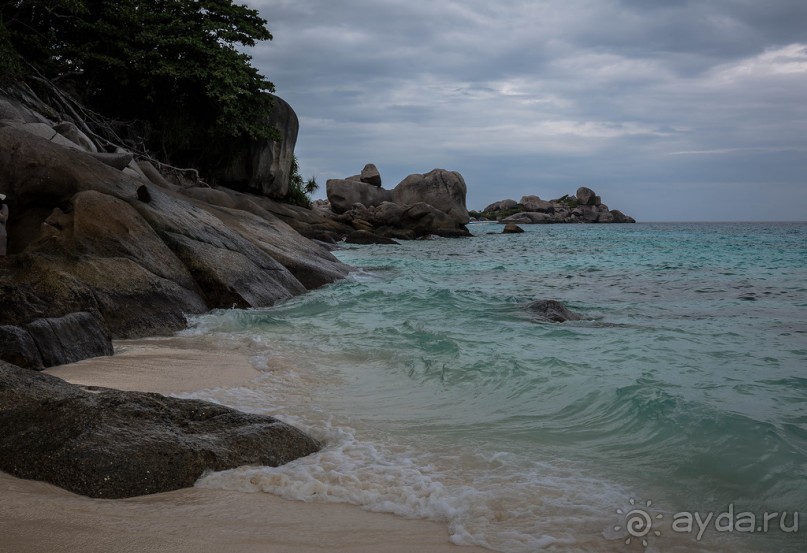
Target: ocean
<point>672,417</point>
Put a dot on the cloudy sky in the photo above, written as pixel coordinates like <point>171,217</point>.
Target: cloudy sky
<point>671,110</point>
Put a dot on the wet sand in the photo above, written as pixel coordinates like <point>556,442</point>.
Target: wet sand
<point>37,517</point>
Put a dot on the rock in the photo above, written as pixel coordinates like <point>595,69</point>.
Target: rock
<point>370,175</point>
<point>343,194</point>
<point>620,217</point>
<point>362,225</point>
<point>48,342</point>
<point>536,204</point>
<point>111,444</point>
<point>311,223</point>
<point>511,228</point>
<point>441,189</point>
<point>264,167</point>
<point>117,160</point>
<point>18,347</point>
<point>397,233</point>
<point>154,176</point>
<point>605,217</point>
<point>552,311</point>
<point>586,196</point>
<point>528,218</point>
<point>387,214</point>
<point>424,219</point>
<point>590,213</point>
<point>11,110</point>
<point>367,237</point>
<point>70,338</point>
<point>502,205</point>
<point>71,132</point>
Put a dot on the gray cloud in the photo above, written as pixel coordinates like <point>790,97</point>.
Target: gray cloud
<point>670,110</point>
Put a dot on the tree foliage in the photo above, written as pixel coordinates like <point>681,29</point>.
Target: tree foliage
<point>174,65</point>
<point>300,191</point>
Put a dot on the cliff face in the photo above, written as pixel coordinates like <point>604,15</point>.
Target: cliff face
<point>105,238</point>
<point>264,167</point>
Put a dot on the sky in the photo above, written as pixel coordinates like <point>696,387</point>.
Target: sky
<point>671,110</point>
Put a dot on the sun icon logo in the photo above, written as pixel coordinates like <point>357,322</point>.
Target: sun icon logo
<point>638,523</point>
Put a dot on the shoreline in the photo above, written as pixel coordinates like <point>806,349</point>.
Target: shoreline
<point>35,516</point>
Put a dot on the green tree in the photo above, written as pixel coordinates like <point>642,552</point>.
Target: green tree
<point>173,64</point>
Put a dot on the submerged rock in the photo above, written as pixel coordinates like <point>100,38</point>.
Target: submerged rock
<point>112,444</point>
<point>552,311</point>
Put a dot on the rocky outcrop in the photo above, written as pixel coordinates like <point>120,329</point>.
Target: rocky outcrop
<point>420,205</point>
<point>111,444</point>
<point>82,241</point>
<point>511,228</point>
<point>551,311</point>
<point>344,194</point>
<point>441,189</point>
<point>584,207</point>
<point>502,205</point>
<point>528,218</point>
<point>537,205</point>
<point>264,167</point>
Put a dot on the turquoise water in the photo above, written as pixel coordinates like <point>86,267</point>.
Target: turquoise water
<point>440,396</point>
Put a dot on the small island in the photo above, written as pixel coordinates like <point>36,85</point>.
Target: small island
<point>584,207</point>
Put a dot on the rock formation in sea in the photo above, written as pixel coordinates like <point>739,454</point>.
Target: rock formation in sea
<point>420,205</point>
<point>584,207</point>
<point>94,255</point>
<point>551,311</point>
<point>512,228</point>
<point>112,444</point>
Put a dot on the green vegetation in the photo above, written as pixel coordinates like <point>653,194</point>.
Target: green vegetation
<point>173,66</point>
<point>299,191</point>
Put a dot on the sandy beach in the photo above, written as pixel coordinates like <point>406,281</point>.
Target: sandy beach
<point>36,517</point>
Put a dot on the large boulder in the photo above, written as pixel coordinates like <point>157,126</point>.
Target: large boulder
<point>586,196</point>
<point>441,189</point>
<point>264,167</point>
<point>424,219</point>
<point>501,205</point>
<point>343,194</point>
<point>512,228</point>
<point>112,444</point>
<point>620,217</point>
<point>370,175</point>
<point>536,204</point>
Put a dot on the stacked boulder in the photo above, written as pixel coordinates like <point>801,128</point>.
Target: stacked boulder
<point>584,207</point>
<point>420,205</point>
